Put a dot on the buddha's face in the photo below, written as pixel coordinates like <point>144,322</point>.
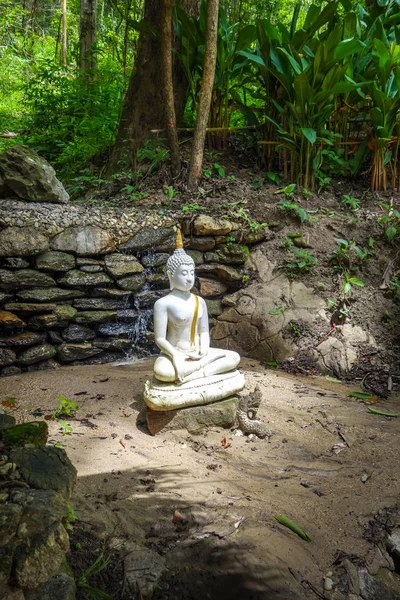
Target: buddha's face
<point>183,278</point>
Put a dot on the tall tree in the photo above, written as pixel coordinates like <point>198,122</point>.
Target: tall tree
<point>207,82</point>
<point>168,86</point>
<point>87,35</point>
<point>64,33</point>
<point>143,107</point>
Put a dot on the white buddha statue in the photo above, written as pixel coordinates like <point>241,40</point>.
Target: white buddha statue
<point>188,371</point>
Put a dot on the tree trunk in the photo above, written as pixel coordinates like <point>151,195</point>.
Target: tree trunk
<point>207,82</point>
<point>143,107</point>
<point>87,35</point>
<point>168,87</point>
<point>64,33</point>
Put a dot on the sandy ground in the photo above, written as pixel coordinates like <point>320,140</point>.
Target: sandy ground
<point>130,484</point>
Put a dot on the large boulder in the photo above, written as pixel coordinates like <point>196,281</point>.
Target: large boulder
<point>30,176</point>
<point>84,241</point>
<point>162,239</point>
<point>22,241</point>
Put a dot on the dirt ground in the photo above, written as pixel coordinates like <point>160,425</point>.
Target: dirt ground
<point>205,512</point>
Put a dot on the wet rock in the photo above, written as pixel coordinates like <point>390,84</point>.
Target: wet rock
<point>232,254</point>
<point>247,236</point>
<point>99,304</point>
<point>153,260</point>
<point>5,297</point>
<point>44,365</point>
<point>113,344</point>
<point>195,418</point>
<point>203,244</point>
<point>55,261</point>
<point>72,352</point>
<point>149,238</point>
<point>30,176</point>
<point>25,339</point>
<point>197,256</point>
<point>22,241</point>
<point>29,278</point>
<point>120,265</point>
<point>33,433</point>
<point>211,288</point>
<point>110,293</point>
<point>116,329</point>
<point>91,268</point>
<point>15,263</point>
<point>47,468</point>
<point>158,280</point>
<point>7,357</point>
<point>220,272</point>
<point>214,307</point>
<point>142,570</point>
<point>8,371</point>
<point>77,333</point>
<point>207,225</point>
<point>393,546</point>
<point>95,316</point>
<point>29,308</point>
<point>46,322</point>
<point>76,278</point>
<point>149,297</point>
<point>132,283</point>
<point>55,338</point>
<point>42,558</point>
<point>49,295</point>
<point>10,515</point>
<point>65,312</point>
<point>8,280</point>
<point>381,587</point>
<point>36,354</point>
<point>61,587</point>
<point>85,260</point>
<point>84,241</point>
<point>10,321</point>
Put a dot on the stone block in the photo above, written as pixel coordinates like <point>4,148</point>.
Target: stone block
<point>195,418</point>
<point>40,510</point>
<point>30,434</point>
<point>60,587</point>
<point>7,357</point>
<point>47,468</point>
<point>72,352</point>
<point>203,244</point>
<point>10,321</point>
<point>150,238</point>
<point>55,261</point>
<point>25,339</point>
<point>36,354</point>
<point>207,225</point>
<point>132,283</point>
<point>49,295</point>
<point>22,241</point>
<point>211,288</point>
<point>77,278</point>
<point>120,265</point>
<point>77,334</point>
<point>84,241</point>
<point>10,515</point>
<point>95,316</point>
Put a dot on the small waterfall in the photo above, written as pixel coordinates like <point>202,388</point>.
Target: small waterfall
<point>135,320</point>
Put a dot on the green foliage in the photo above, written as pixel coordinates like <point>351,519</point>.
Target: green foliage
<point>83,582</point>
<point>66,408</point>
<point>303,263</point>
<point>350,202</point>
<point>348,256</point>
<point>391,220</point>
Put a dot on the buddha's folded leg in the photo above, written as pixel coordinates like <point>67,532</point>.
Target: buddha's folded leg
<point>220,361</point>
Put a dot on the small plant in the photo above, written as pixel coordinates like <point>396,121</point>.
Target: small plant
<point>70,518</point>
<point>391,220</point>
<point>349,282</point>
<point>170,192</point>
<point>289,206</point>
<point>348,255</point>
<point>305,261</point>
<point>66,408</point>
<point>294,329</point>
<point>350,202</point>
<point>278,311</point>
<point>97,567</point>
<point>219,169</point>
<point>66,429</point>
<point>274,177</point>
<point>254,225</point>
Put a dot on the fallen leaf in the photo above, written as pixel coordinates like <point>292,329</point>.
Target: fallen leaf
<point>9,403</point>
<point>122,443</point>
<point>293,527</point>
<point>362,396</point>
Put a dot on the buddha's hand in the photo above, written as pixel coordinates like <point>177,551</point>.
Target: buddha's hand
<point>178,360</point>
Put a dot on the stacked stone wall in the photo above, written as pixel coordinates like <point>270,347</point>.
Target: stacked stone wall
<point>85,295</point>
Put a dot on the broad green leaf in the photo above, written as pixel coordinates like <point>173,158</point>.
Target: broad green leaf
<point>253,57</point>
<point>391,232</point>
<point>347,48</point>
<point>310,134</point>
<point>333,379</point>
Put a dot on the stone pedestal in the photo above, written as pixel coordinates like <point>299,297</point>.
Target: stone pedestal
<point>195,418</point>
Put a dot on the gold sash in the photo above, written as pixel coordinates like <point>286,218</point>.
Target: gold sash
<point>194,321</point>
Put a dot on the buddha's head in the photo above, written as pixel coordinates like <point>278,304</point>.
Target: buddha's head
<point>180,268</point>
